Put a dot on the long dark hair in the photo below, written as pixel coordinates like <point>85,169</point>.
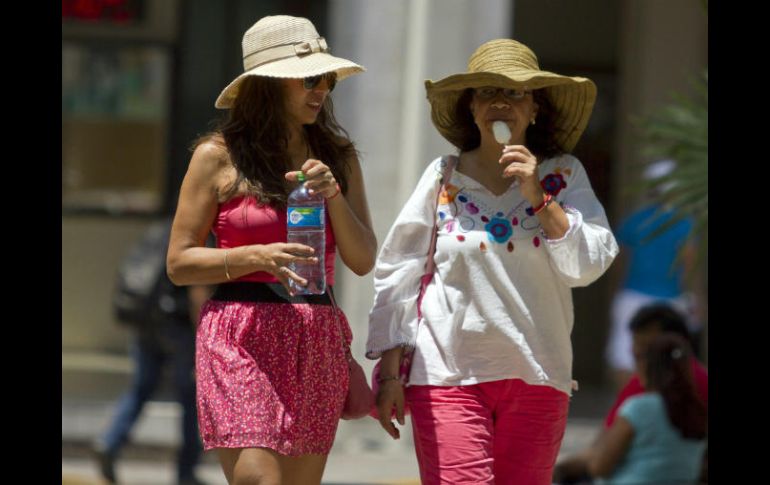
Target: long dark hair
<point>540,136</point>
<point>664,316</point>
<point>669,372</point>
<point>254,132</point>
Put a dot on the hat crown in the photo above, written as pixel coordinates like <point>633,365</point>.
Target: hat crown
<point>503,56</point>
<point>282,46</point>
<point>277,30</point>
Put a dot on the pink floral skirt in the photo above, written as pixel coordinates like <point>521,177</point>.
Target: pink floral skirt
<point>270,375</point>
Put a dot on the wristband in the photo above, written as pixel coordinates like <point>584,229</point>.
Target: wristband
<point>546,202</point>
<point>336,193</point>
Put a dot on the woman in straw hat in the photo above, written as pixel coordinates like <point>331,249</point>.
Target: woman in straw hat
<point>518,227</point>
<point>270,366</point>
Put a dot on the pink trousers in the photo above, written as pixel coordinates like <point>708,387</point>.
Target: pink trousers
<point>500,432</point>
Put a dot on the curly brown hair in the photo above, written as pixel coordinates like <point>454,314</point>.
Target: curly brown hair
<point>540,136</point>
<point>254,132</point>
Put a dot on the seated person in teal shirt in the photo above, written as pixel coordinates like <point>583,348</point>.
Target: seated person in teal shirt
<point>659,436</point>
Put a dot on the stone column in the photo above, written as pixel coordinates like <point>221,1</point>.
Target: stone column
<point>401,43</point>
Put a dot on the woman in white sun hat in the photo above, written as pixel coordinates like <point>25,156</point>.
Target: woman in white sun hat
<point>270,366</point>
<point>518,227</point>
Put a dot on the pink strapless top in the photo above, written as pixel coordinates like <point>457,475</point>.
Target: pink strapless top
<point>241,221</point>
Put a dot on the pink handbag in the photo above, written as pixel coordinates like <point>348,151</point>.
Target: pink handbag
<point>360,399</point>
<point>405,366</point>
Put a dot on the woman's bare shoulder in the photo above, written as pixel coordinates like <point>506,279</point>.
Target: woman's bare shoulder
<point>212,150</point>
<point>211,165</point>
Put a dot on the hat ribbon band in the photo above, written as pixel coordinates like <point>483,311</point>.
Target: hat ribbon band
<point>276,53</point>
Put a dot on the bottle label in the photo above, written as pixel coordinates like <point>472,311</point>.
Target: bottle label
<point>305,217</point>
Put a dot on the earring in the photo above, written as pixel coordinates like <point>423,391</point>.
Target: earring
<point>532,121</point>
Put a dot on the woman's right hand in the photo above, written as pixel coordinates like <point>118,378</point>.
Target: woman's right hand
<point>389,396</point>
<point>274,259</point>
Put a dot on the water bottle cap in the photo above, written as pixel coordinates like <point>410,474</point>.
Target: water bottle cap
<point>300,176</point>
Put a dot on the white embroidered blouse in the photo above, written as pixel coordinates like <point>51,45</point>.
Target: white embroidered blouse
<point>500,303</point>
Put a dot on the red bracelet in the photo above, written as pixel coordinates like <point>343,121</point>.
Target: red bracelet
<point>546,200</point>
<point>336,193</point>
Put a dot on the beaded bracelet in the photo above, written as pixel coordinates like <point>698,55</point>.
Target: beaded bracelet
<point>388,378</point>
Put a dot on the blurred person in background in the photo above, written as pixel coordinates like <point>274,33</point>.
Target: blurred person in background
<point>659,436</point>
<point>519,226</point>
<point>653,270</point>
<point>271,366</point>
<point>647,324</point>
<point>162,318</point>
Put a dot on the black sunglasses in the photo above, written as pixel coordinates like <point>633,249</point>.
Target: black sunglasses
<point>489,92</point>
<point>313,82</point>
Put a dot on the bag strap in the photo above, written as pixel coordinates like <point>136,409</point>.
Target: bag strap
<point>448,163</point>
<point>345,346</point>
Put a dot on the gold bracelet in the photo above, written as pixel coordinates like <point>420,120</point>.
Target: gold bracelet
<point>227,271</point>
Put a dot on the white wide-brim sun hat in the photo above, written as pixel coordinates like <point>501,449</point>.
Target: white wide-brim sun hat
<point>282,46</point>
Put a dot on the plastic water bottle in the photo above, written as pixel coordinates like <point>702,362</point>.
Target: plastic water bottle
<point>306,224</point>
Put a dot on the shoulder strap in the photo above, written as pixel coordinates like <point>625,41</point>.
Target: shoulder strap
<point>448,165</point>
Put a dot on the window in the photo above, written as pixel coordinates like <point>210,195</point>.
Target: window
<point>115,121</point>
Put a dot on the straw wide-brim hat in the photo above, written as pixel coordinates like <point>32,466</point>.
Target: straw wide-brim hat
<point>510,64</point>
<point>282,46</point>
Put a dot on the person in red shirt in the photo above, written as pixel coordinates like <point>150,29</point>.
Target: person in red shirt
<point>646,324</point>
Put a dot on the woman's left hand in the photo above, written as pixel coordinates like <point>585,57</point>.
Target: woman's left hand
<point>522,164</point>
<point>319,178</point>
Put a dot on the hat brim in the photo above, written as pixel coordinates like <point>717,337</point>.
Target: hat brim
<point>573,98</point>
<point>292,68</point>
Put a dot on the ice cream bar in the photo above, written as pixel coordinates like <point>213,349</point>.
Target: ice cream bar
<point>501,131</point>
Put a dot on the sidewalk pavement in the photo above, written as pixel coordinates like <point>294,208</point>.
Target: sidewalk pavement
<point>363,454</point>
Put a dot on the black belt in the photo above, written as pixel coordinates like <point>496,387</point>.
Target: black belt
<point>253,291</point>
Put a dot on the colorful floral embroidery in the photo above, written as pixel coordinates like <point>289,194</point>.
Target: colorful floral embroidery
<point>448,195</point>
<point>553,183</point>
<point>499,230</point>
<point>466,212</point>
